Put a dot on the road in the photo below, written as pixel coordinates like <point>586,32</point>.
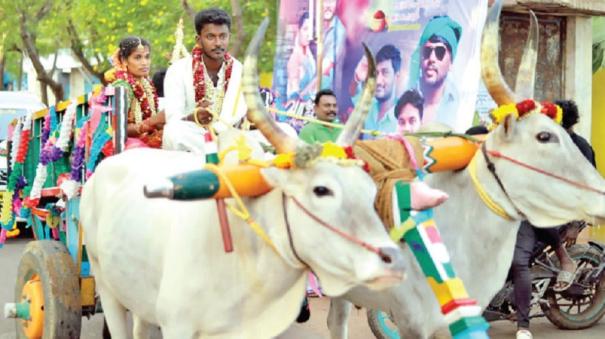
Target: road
<point>315,328</point>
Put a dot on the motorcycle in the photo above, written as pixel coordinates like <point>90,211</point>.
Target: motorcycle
<point>580,306</point>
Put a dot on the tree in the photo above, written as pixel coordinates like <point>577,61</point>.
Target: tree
<point>93,29</point>
<point>31,16</point>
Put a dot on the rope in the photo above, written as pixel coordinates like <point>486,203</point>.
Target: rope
<point>374,132</point>
<point>242,212</point>
<point>487,200</point>
<point>341,233</point>
<point>389,162</point>
<point>541,171</point>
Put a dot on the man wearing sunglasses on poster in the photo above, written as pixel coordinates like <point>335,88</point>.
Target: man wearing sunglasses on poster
<point>429,67</point>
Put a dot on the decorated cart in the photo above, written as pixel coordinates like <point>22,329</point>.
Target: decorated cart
<point>52,152</point>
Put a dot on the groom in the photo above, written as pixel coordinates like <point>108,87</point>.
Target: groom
<point>203,89</point>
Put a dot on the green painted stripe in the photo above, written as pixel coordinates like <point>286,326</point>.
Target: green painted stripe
<point>463,324</point>
<point>212,158</point>
<point>200,184</point>
<point>23,311</point>
<point>404,199</point>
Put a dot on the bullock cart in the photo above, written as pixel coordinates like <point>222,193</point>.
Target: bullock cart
<point>52,154</point>
<point>52,147</point>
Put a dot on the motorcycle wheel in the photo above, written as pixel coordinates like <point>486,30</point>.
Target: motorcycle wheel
<point>571,310</point>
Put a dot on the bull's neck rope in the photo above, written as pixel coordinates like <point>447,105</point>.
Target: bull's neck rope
<point>487,200</point>
<point>243,213</point>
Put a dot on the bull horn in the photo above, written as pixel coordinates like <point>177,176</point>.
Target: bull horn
<point>490,69</point>
<point>257,113</point>
<point>526,76</point>
<point>353,127</point>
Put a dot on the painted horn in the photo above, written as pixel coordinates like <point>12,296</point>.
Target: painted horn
<point>526,76</point>
<point>353,127</point>
<point>490,69</point>
<point>257,113</point>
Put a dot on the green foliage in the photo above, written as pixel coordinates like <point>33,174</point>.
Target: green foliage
<point>598,43</point>
<point>100,25</point>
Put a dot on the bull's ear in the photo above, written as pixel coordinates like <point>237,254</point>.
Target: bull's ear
<point>275,177</point>
<point>508,127</point>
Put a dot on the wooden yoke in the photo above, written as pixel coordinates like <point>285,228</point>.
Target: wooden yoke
<point>449,153</point>
<point>206,184</point>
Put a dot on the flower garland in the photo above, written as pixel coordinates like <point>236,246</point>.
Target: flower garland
<point>77,162</point>
<point>179,51</point>
<point>204,87</point>
<point>524,108</point>
<point>16,142</point>
<point>307,155</point>
<point>16,180</point>
<point>146,97</point>
<point>51,153</point>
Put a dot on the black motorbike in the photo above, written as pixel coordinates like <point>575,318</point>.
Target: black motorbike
<point>580,306</point>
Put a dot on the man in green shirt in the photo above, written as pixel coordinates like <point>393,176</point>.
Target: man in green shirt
<point>325,110</point>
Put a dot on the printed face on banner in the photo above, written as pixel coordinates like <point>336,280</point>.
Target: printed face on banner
<point>433,59</point>
<point>436,62</point>
<point>409,119</point>
<point>329,9</point>
<point>385,80</point>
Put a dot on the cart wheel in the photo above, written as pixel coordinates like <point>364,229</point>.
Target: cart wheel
<point>47,293</point>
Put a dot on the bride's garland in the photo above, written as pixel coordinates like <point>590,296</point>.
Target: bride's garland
<point>51,153</point>
<point>145,94</point>
<point>204,88</point>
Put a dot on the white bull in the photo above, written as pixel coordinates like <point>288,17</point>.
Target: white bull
<point>480,243</point>
<point>164,260</point>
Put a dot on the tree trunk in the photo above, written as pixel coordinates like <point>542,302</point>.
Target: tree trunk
<point>44,93</point>
<point>28,39</point>
<point>20,73</point>
<point>238,20</point>
<point>188,9</point>
<point>76,48</point>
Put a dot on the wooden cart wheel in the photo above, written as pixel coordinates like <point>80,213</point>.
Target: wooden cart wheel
<point>47,293</point>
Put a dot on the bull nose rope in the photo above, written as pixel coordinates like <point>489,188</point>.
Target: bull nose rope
<point>497,154</point>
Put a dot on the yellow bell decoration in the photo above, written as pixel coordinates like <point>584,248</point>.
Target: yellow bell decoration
<point>559,117</point>
<point>331,150</point>
<point>499,113</point>
<point>284,160</point>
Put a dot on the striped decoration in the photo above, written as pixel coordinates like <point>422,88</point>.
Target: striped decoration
<point>420,232</point>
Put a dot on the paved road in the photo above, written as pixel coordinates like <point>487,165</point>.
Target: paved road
<point>313,329</point>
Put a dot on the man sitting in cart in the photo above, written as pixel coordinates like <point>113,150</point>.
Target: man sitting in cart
<point>201,90</point>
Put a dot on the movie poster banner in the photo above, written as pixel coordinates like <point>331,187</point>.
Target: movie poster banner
<point>427,55</point>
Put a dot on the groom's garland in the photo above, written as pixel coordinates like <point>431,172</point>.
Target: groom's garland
<point>204,88</point>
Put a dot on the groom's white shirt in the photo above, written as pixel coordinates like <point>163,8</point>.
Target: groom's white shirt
<point>179,96</point>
